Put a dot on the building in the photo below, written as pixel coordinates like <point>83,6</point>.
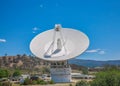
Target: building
<point>82,76</point>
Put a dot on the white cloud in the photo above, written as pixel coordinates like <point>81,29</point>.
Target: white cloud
<point>98,51</point>
<point>101,52</point>
<point>35,29</point>
<point>2,40</point>
<point>92,51</point>
<point>41,6</point>
<point>33,32</point>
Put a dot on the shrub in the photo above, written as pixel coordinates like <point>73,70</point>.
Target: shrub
<point>6,84</point>
<point>0,84</point>
<point>26,81</point>
<point>16,73</point>
<point>70,84</point>
<point>34,82</point>
<point>39,81</point>
<point>107,78</point>
<point>42,82</point>
<point>51,82</point>
<point>81,83</point>
<point>4,73</point>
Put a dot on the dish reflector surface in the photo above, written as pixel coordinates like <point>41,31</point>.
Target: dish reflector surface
<point>55,45</point>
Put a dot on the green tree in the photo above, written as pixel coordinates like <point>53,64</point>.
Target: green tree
<point>27,81</point>
<point>45,70</point>
<point>81,83</point>
<point>51,82</point>
<point>24,55</point>
<point>107,78</point>
<point>6,54</point>
<point>85,70</point>
<point>7,73</point>
<point>110,67</point>
<point>4,73</point>
<point>17,73</point>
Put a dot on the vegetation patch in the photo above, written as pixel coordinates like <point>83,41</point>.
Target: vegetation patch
<point>35,82</point>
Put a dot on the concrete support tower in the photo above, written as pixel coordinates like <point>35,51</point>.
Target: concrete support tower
<point>60,71</point>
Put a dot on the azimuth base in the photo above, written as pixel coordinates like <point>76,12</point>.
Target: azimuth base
<point>60,71</point>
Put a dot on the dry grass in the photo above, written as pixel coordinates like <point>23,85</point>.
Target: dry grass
<point>58,84</point>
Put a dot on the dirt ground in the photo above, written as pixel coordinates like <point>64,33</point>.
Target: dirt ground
<point>58,84</point>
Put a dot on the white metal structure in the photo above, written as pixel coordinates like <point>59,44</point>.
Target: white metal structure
<point>58,45</point>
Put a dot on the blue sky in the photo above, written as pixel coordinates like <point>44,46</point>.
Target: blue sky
<point>21,20</point>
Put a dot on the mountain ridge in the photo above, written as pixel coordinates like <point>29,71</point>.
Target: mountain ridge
<point>93,63</point>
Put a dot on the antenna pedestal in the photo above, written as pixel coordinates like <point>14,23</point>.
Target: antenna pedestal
<point>60,71</point>
<point>57,46</point>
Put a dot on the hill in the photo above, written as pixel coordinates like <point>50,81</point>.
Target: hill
<point>93,63</point>
<point>29,62</point>
<point>21,61</point>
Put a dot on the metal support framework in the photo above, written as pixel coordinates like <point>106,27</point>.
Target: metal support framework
<point>57,47</point>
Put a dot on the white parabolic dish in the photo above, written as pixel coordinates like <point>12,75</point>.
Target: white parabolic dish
<point>76,43</point>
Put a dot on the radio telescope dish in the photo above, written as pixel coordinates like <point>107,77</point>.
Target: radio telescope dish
<point>59,44</point>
